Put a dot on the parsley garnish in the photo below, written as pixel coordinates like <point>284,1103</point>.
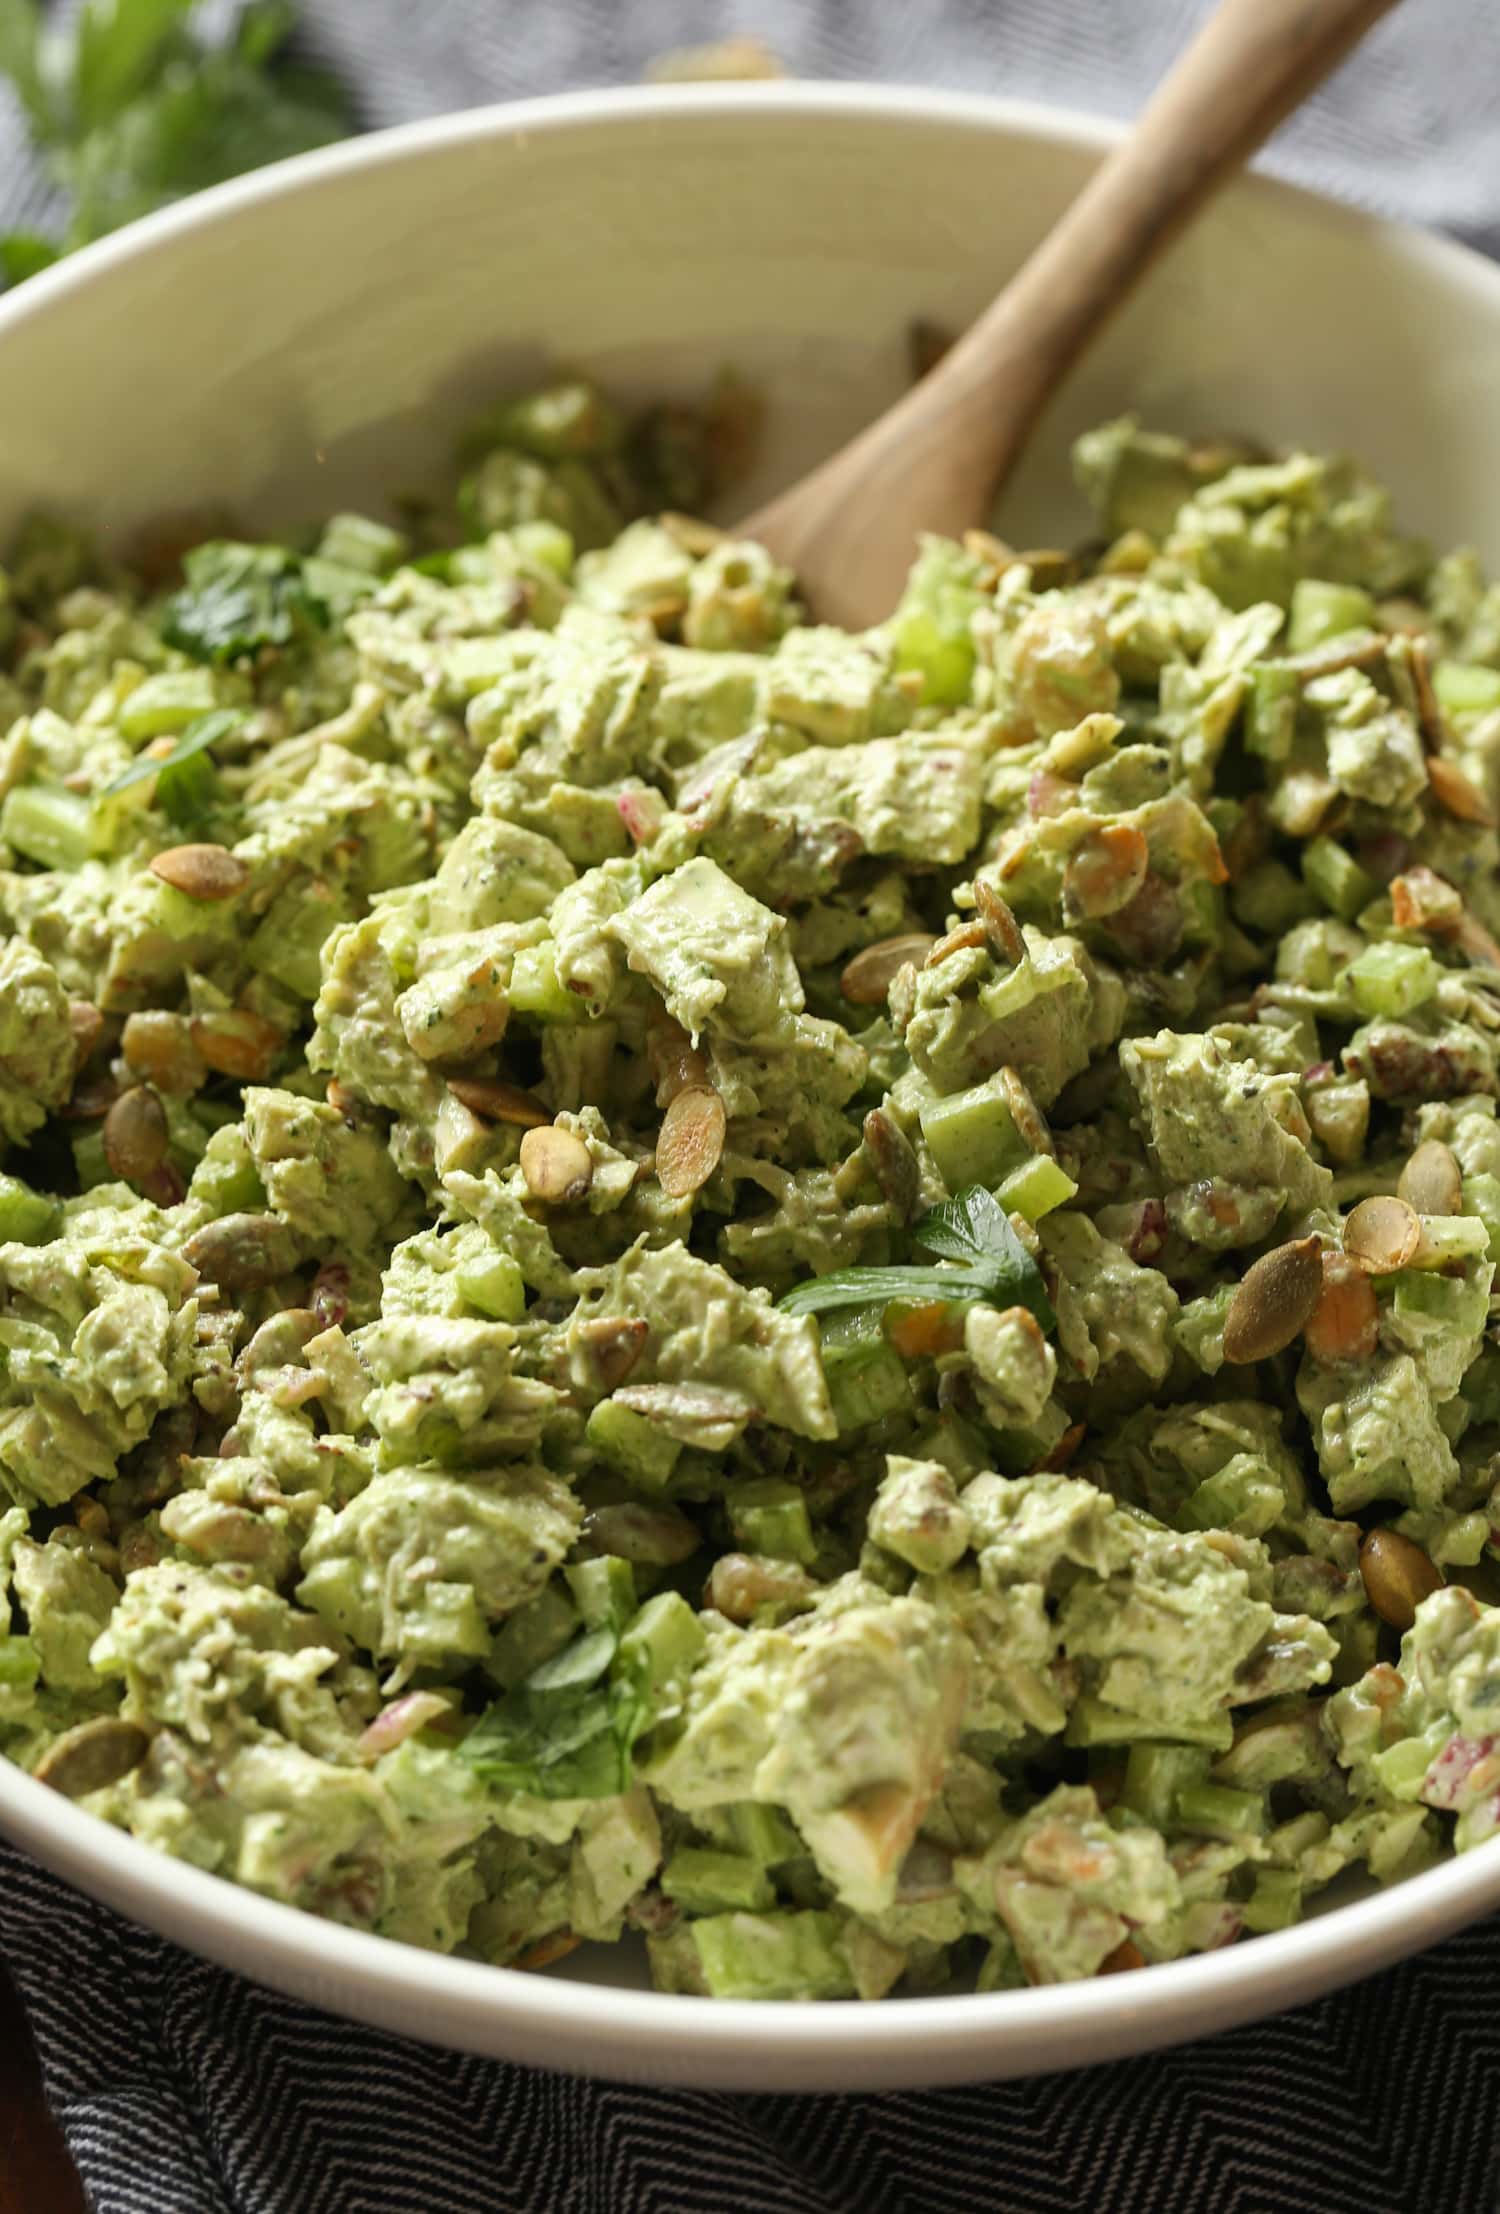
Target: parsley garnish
<point>132,106</point>
<point>186,783</point>
<point>237,598</point>
<point>974,1233</point>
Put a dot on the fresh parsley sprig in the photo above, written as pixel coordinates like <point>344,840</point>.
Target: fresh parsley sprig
<point>130,107</point>
<point>186,783</point>
<point>973,1233</point>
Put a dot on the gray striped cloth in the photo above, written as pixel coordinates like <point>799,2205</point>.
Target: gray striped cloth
<point>184,2090</point>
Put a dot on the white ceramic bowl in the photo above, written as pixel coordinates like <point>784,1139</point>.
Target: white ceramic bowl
<point>312,336</point>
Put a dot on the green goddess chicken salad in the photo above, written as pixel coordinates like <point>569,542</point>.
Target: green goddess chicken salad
<point>825,1299</point>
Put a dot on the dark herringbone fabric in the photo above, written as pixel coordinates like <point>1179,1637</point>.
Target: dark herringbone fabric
<point>184,2090</point>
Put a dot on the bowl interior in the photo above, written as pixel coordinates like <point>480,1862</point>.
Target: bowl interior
<point>315,337</point>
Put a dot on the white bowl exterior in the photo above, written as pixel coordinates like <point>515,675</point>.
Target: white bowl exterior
<point>312,336</point>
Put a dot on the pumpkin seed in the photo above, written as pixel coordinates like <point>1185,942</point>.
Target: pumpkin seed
<point>1397,1576</point>
<point>158,1046</point>
<point>242,1252</point>
<point>1345,1324</point>
<point>674,1060</point>
<point>136,1134</point>
<point>202,872</point>
<point>695,1414</point>
<point>165,1185</point>
<point>655,1537</point>
<point>239,1044</point>
<point>92,1755</point>
<point>894,1163</point>
<point>612,1344</point>
<point>1030,1123</point>
<point>87,1025</point>
<point>1382,1234</point>
<point>964,939</point>
<point>1432,1180</point>
<point>867,978</point>
<point>546,1951</point>
<point>1002,933</point>
<point>1430,717</point>
<point>558,1167</point>
<point>739,1583</point>
<point>497,1101</point>
<point>1105,870</point>
<point>691,1143</point>
<point>1455,794</point>
<point>1273,1301</point>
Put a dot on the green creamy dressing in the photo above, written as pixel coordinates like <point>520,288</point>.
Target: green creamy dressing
<point>630,1227</point>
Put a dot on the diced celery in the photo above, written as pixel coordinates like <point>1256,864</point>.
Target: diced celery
<point>1203,908</point>
<point>26,1217</point>
<point>228,1186</point>
<point>1155,1774</point>
<point>768,1515</point>
<point>1481,1385</point>
<point>288,944</point>
<point>1243,1496</point>
<point>1337,877</point>
<point>1094,1722</point>
<point>1447,1239</point>
<point>89,1163</point>
<point>1482,1194</point>
<point>546,544</point>
<point>862,1392</point>
<point>1401,1767</point>
<point>1220,1812</point>
<point>852,1334</point>
<point>1269,898</point>
<point>707,1882</point>
<point>931,625</point>
<point>20,1663</point>
<point>1359,1646</point>
<point>1276,1901</point>
<point>1036,1187</point>
<point>531,1636</point>
<point>53,828</point>
<point>1459,1306</point>
<point>1466,689</point>
<point>358,542</point>
<point>632,1445</point>
<point>1389,979</point>
<point>1271,710</point>
<point>535,990</point>
<point>162,705</point>
<point>773,1956</point>
<point>765,1833</point>
<point>495,1286</point>
<point>603,1590</point>
<point>971,1135</point>
<point>665,1640</point>
<point>1320,611</point>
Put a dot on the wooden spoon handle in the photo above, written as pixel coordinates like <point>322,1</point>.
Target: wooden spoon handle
<point>962,428</point>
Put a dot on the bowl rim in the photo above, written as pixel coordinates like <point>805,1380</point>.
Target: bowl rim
<point>597,2028</point>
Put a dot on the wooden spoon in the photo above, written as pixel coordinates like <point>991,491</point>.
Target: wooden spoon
<point>935,460</point>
